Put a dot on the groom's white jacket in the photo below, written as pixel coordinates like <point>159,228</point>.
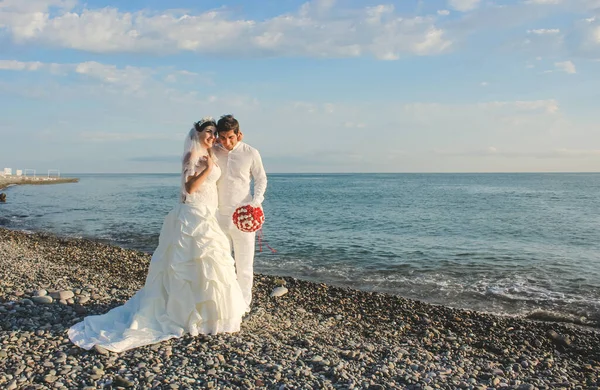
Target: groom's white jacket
<point>238,168</point>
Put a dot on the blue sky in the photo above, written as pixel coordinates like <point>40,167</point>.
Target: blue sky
<point>318,86</point>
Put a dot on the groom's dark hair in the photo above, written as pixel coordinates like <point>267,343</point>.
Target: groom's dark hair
<point>228,123</point>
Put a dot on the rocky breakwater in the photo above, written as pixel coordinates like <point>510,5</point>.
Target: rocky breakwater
<point>304,336</point>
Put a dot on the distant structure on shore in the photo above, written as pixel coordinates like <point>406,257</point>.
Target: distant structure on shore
<point>29,172</point>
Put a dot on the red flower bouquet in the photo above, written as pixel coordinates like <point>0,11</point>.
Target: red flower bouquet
<point>248,219</point>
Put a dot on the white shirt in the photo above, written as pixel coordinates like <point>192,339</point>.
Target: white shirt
<point>238,168</point>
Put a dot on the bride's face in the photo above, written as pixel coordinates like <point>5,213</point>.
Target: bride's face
<point>207,136</point>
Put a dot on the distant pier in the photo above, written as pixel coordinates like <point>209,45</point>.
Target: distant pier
<point>6,181</point>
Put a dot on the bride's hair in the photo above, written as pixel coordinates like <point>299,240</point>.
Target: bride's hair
<point>204,123</point>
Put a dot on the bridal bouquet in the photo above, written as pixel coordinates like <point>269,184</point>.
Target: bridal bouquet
<point>248,219</point>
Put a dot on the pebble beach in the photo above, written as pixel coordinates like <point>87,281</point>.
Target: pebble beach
<point>315,336</point>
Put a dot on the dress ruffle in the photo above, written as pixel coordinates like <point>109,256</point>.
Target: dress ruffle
<point>191,287</point>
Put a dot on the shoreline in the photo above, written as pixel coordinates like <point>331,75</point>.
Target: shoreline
<point>6,182</point>
<point>316,335</point>
<point>535,315</point>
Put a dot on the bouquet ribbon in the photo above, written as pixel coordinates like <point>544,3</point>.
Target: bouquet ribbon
<point>259,234</point>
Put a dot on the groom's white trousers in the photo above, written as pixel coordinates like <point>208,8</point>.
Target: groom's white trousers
<point>243,245</point>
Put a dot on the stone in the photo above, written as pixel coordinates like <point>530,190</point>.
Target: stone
<point>122,382</point>
<point>66,294</point>
<point>101,350</point>
<point>564,341</point>
<point>526,386</point>
<point>42,299</point>
<point>50,378</point>
<point>279,291</point>
<point>83,299</point>
<point>79,309</point>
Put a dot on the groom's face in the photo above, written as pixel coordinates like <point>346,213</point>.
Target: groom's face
<point>229,139</point>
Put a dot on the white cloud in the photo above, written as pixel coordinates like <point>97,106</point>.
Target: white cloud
<point>487,121</point>
<point>316,7</point>
<point>19,65</point>
<point>549,106</point>
<point>352,125</point>
<point>464,5</point>
<point>544,42</point>
<point>313,108</point>
<point>35,5</point>
<point>544,31</point>
<point>560,153</point>
<point>587,32</point>
<point>34,66</point>
<point>317,29</point>
<point>566,66</point>
<point>443,12</point>
<point>543,2</point>
<point>484,84</point>
<point>131,78</point>
<point>576,152</point>
<point>305,107</point>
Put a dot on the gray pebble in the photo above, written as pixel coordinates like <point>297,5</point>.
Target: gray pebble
<point>42,299</point>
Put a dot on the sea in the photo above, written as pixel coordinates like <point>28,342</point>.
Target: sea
<point>522,244</point>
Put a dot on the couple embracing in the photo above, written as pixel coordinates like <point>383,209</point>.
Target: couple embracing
<point>193,285</point>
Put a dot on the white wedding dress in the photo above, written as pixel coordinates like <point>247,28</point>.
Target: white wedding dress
<point>191,285</point>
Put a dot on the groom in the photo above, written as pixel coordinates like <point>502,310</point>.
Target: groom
<point>239,163</point>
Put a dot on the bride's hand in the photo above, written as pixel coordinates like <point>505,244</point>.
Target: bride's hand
<point>210,163</point>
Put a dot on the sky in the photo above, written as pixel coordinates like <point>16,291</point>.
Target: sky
<point>317,86</point>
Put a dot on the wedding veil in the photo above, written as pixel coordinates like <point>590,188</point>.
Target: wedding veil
<point>193,151</point>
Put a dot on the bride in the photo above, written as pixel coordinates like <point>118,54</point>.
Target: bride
<point>191,285</point>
